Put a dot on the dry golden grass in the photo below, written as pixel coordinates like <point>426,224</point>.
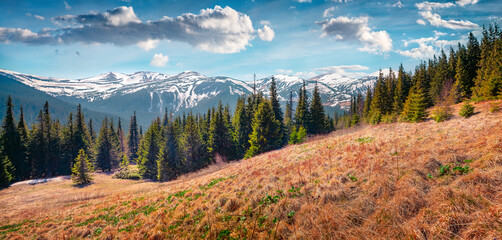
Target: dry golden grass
<point>376,182</point>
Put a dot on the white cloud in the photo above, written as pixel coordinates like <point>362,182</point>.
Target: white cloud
<point>121,16</point>
<point>265,22</point>
<point>304,1</point>
<point>398,4</point>
<point>465,2</point>
<point>266,34</point>
<point>435,20</point>
<point>356,29</point>
<point>39,17</point>
<point>422,52</point>
<point>219,30</point>
<point>437,33</point>
<point>284,71</point>
<point>306,75</point>
<point>328,12</point>
<point>148,44</point>
<point>421,22</point>
<point>66,5</point>
<point>429,6</point>
<point>159,60</point>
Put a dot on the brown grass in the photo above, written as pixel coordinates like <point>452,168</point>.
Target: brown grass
<point>332,187</point>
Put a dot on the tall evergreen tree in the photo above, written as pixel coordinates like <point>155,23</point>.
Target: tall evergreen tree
<point>302,117</point>
<point>11,142</point>
<point>265,135</point>
<point>169,164</point>
<point>402,89</point>
<point>220,136</point>
<point>106,150</point>
<point>149,150</point>
<point>414,107</point>
<point>81,135</point>
<point>318,124</point>
<point>24,138</point>
<point>92,133</point>
<point>6,170</point>
<point>82,168</point>
<point>242,126</point>
<point>133,139</point>
<point>193,149</point>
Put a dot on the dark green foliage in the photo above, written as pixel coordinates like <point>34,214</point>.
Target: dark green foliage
<point>133,138</point>
<point>6,170</point>
<point>107,156</point>
<point>302,114</point>
<point>149,150</point>
<point>80,172</point>
<point>220,134</point>
<point>194,150</point>
<point>265,135</point>
<point>169,164</point>
<point>11,144</point>
<point>467,110</point>
<point>242,126</point>
<point>318,123</point>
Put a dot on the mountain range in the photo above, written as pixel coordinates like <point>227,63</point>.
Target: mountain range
<point>150,93</point>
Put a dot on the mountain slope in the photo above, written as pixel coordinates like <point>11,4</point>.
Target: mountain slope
<point>149,94</point>
<point>33,101</point>
<point>375,182</point>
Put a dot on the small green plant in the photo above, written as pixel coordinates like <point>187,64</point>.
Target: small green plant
<point>223,234</point>
<point>443,170</point>
<point>462,169</point>
<point>127,174</point>
<point>466,110</point>
<point>365,140</point>
<point>352,177</point>
<point>291,214</point>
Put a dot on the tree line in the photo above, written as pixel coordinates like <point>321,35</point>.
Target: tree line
<point>472,72</point>
<point>170,146</point>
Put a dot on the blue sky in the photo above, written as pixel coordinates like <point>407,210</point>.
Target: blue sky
<point>77,39</point>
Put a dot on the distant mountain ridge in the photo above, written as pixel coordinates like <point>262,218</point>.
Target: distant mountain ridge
<point>150,93</point>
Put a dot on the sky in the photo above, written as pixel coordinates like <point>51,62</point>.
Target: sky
<point>78,39</point>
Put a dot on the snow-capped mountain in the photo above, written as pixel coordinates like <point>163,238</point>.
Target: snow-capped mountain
<point>150,93</point>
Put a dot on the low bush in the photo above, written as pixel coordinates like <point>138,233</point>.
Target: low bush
<point>466,110</point>
<point>126,173</point>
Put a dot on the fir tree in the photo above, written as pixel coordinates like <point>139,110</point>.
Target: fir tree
<point>106,149</point>
<point>6,170</point>
<point>317,113</point>
<point>414,107</point>
<point>302,117</point>
<point>220,136</point>
<point>169,165</point>
<point>82,168</point>
<point>193,149</point>
<point>402,89</point>
<point>81,136</point>
<point>92,133</point>
<point>11,142</point>
<point>149,150</point>
<point>133,140</point>
<point>24,138</point>
<point>242,127</point>
<point>276,108</point>
<point>265,135</point>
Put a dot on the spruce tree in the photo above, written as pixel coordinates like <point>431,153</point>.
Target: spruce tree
<point>414,107</point>
<point>265,135</point>
<point>11,142</point>
<point>92,133</point>
<point>276,108</point>
<point>24,138</point>
<point>133,138</point>
<point>6,170</point>
<point>242,126</point>
<point>106,149</point>
<point>317,113</point>
<point>82,168</point>
<point>302,117</point>
<point>402,89</point>
<point>220,136</point>
<point>193,148</point>
<point>149,150</point>
<point>169,165</point>
<point>81,136</point>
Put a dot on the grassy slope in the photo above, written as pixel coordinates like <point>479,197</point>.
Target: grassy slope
<point>377,182</point>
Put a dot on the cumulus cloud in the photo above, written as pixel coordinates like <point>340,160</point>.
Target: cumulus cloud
<point>159,60</point>
<point>428,47</point>
<point>328,12</point>
<point>435,20</point>
<point>356,30</point>
<point>219,30</point>
<point>466,2</point>
<point>266,33</point>
<point>148,44</point>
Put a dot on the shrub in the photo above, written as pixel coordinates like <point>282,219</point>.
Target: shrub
<point>298,136</point>
<point>442,113</point>
<point>125,173</point>
<point>466,110</point>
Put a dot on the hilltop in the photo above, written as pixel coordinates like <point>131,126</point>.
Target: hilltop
<point>403,180</point>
